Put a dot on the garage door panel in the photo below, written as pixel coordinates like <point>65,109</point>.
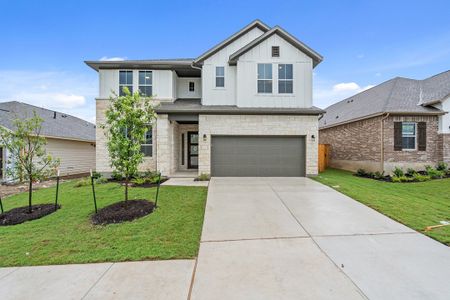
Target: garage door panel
<point>257,156</point>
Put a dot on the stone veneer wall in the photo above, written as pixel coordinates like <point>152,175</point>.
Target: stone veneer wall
<point>357,144</point>
<point>101,151</point>
<point>258,125</point>
<point>444,147</point>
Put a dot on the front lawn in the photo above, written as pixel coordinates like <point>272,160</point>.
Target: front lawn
<point>67,236</point>
<point>416,205</point>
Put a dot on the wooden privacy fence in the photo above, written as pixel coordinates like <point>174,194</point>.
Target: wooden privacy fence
<point>324,153</point>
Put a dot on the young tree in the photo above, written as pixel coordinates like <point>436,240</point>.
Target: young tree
<point>127,120</point>
<point>27,159</point>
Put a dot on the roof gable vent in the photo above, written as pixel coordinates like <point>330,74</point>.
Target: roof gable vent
<point>275,51</point>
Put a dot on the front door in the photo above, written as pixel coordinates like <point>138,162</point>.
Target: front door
<point>192,150</point>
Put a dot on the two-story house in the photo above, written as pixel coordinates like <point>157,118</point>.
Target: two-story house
<point>243,108</point>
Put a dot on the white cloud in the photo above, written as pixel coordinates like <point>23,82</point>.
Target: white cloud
<point>326,94</point>
<point>346,86</point>
<point>117,58</point>
<point>71,93</point>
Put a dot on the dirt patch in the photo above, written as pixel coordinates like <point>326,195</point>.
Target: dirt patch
<point>20,214</point>
<point>123,211</point>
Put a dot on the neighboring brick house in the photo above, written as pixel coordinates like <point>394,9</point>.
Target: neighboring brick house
<point>243,108</point>
<point>401,122</point>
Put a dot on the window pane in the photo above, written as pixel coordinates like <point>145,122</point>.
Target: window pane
<point>260,71</point>
<point>145,90</point>
<point>220,81</point>
<point>129,77</point>
<point>147,150</point>
<point>194,150</point>
<point>409,142</point>
<point>289,73</point>
<point>220,71</point>
<point>145,77</point>
<point>260,86</point>
<point>268,71</point>
<point>268,86</point>
<point>130,88</point>
<point>149,136</point>
<point>281,71</point>
<point>408,129</point>
<point>122,77</point>
<point>289,88</point>
<point>281,86</point>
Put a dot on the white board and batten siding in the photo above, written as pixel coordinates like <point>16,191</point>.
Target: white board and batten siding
<point>226,95</point>
<point>444,120</point>
<point>76,157</point>
<point>163,83</point>
<point>247,66</point>
<point>183,88</point>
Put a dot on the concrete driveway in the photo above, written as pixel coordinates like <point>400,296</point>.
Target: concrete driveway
<point>294,238</point>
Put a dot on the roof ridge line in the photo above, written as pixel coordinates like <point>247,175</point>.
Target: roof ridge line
<point>390,94</point>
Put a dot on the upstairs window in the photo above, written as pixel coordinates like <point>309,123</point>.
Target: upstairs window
<point>145,83</point>
<point>191,86</point>
<point>264,78</point>
<point>125,80</point>
<point>285,79</point>
<point>275,51</point>
<point>220,77</point>
<point>147,147</point>
<point>409,135</point>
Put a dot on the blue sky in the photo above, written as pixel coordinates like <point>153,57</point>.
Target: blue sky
<point>44,43</point>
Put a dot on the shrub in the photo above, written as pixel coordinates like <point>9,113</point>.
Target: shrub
<point>433,173</point>
<point>96,175</point>
<point>402,179</point>
<point>378,175</point>
<point>420,178</point>
<point>398,172</point>
<point>410,172</point>
<point>138,181</point>
<point>203,177</point>
<point>82,182</point>
<point>360,172</point>
<point>442,166</point>
<point>101,180</point>
<point>116,176</point>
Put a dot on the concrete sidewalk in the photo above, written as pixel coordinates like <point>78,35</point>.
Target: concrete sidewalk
<point>294,238</point>
<point>129,280</point>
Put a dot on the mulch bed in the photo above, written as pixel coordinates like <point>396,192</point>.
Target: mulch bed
<point>20,214</point>
<point>145,185</point>
<point>123,211</point>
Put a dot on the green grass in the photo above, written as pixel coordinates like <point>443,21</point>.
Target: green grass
<point>417,205</point>
<point>67,236</point>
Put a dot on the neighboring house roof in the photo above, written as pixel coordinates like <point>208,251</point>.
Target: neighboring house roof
<point>316,57</point>
<point>194,106</point>
<point>435,89</point>
<point>398,96</point>
<point>55,124</point>
<point>255,24</point>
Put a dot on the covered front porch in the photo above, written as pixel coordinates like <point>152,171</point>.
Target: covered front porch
<point>177,145</point>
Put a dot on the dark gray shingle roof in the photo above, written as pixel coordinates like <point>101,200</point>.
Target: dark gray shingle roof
<point>194,106</point>
<point>398,95</point>
<point>63,126</point>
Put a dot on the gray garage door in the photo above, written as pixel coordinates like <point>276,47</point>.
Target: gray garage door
<point>257,156</point>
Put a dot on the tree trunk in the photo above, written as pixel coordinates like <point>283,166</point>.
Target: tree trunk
<point>30,194</point>
<point>126,189</point>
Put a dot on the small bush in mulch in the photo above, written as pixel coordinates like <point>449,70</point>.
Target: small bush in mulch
<point>20,214</point>
<point>203,177</point>
<point>123,211</point>
<point>139,182</point>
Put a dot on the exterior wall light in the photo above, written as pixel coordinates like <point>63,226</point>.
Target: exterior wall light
<point>313,137</point>
<point>204,137</point>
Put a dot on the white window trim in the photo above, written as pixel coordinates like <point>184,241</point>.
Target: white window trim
<point>139,84</point>
<point>414,136</point>
<point>257,79</point>
<point>278,78</point>
<point>215,76</point>
<point>122,85</point>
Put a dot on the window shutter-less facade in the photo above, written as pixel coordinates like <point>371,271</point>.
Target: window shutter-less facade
<point>422,134</point>
<point>398,136</point>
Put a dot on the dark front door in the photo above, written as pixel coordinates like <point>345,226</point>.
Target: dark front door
<point>192,150</point>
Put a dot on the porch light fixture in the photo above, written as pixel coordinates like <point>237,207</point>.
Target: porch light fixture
<point>313,137</point>
<point>204,137</point>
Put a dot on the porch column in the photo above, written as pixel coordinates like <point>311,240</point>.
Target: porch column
<point>164,133</point>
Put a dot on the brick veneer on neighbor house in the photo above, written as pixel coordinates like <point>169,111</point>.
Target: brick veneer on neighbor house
<point>444,147</point>
<point>358,144</point>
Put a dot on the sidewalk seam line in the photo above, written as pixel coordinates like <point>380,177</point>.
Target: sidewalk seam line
<point>191,286</point>
<point>16,268</point>
<point>97,281</point>
<point>257,239</point>
<point>315,242</point>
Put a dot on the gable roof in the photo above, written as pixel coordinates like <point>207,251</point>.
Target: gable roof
<point>397,96</point>
<point>55,124</point>
<point>255,24</point>
<point>316,57</point>
<point>435,88</point>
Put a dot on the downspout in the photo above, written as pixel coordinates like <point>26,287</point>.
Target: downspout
<point>382,143</point>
